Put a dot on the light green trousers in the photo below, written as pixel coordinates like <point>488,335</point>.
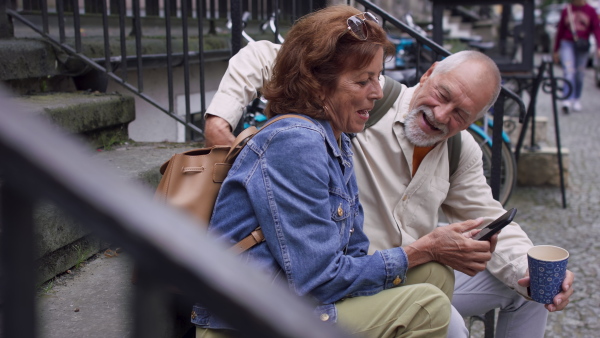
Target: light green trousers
<point>419,308</point>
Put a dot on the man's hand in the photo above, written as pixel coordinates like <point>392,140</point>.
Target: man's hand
<point>217,132</point>
<point>561,300</point>
<point>452,245</point>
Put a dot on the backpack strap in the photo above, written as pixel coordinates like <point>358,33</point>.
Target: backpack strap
<point>391,91</point>
<point>454,148</point>
<point>248,133</point>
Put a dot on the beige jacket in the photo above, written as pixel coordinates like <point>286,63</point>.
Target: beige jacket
<point>399,208</point>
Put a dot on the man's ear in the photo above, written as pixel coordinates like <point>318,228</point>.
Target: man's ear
<point>427,74</point>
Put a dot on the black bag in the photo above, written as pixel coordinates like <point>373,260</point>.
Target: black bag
<point>582,45</point>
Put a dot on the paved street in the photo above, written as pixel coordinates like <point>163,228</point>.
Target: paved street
<point>91,301</point>
<point>576,228</point>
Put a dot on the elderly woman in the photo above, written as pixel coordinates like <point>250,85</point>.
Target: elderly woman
<point>295,180</point>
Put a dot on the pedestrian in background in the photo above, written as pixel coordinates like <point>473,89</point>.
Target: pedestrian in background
<point>572,48</point>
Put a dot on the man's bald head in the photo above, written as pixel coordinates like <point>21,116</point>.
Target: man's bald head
<point>479,66</point>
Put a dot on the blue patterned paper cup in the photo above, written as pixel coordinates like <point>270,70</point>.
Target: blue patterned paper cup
<point>547,269</point>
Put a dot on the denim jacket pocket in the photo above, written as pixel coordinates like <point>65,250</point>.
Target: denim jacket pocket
<point>342,214</point>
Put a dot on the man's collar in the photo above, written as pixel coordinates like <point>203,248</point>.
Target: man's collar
<point>404,109</point>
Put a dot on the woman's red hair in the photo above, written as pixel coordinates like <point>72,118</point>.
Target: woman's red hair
<point>316,51</point>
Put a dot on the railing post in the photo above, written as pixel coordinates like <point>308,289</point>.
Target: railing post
<point>151,315</point>
<point>223,9</point>
<point>496,171</point>
<point>17,274</point>
<point>6,27</point>
<point>236,26</point>
<point>152,7</point>
<point>92,6</point>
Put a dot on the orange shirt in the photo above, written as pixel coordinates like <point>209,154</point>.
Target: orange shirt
<point>418,156</point>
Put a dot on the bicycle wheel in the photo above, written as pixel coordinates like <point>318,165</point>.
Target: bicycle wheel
<point>508,167</point>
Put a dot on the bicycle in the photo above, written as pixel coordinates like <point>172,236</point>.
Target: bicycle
<point>508,166</point>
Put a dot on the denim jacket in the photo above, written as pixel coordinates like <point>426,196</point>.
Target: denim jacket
<point>294,181</point>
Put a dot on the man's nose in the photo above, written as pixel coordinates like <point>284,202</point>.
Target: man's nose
<point>442,113</point>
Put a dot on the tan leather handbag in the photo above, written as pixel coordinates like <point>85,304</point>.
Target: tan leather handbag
<point>191,180</point>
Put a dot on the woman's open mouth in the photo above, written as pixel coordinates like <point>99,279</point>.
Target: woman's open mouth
<point>364,114</point>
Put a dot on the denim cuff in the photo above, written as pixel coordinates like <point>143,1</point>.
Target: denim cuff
<point>396,265</point>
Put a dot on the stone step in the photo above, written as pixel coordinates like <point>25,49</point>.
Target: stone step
<point>513,129</point>
<point>540,167</point>
<point>101,119</point>
<point>64,243</point>
<point>27,58</point>
<point>93,300</point>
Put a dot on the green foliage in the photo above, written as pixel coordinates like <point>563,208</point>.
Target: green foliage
<point>109,141</point>
<point>46,288</point>
<point>81,255</point>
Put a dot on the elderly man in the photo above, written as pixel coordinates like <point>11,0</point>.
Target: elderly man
<point>403,173</point>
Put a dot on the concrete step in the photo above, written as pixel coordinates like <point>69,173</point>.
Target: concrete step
<point>101,119</point>
<point>64,243</point>
<point>27,58</point>
<point>94,299</point>
<point>513,129</point>
<point>540,167</point>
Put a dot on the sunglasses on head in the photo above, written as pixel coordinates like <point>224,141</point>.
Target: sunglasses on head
<point>357,25</point>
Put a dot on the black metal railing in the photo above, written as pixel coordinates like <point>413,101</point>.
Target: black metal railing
<point>38,163</point>
<point>129,21</point>
<point>62,26</point>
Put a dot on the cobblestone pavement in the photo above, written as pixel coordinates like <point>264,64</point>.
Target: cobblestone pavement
<point>576,228</point>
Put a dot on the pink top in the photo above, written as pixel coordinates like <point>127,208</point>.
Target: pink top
<point>585,20</point>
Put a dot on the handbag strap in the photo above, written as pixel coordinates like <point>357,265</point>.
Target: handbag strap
<point>257,235</point>
<point>245,136</point>
<point>571,23</point>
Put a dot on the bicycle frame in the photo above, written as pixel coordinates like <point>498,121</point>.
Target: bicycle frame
<point>483,132</point>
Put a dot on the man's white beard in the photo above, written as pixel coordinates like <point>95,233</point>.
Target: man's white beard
<point>416,135</point>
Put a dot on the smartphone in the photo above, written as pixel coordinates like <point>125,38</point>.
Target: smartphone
<point>486,233</point>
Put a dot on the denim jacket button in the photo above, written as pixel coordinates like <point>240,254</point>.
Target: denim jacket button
<point>397,281</point>
<point>194,315</point>
<point>324,317</point>
<point>340,210</point>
